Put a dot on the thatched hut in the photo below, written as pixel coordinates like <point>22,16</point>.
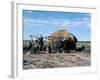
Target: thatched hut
<point>70,39</point>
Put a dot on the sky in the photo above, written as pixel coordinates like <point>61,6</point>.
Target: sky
<point>46,22</point>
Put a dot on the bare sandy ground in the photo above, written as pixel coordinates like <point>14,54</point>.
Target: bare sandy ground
<point>54,60</point>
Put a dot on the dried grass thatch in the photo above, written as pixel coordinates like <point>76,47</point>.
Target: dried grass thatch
<point>62,33</point>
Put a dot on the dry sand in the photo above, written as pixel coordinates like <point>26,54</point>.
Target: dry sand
<point>54,60</point>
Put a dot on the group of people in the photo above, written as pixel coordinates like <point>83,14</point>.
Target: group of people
<point>60,46</point>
